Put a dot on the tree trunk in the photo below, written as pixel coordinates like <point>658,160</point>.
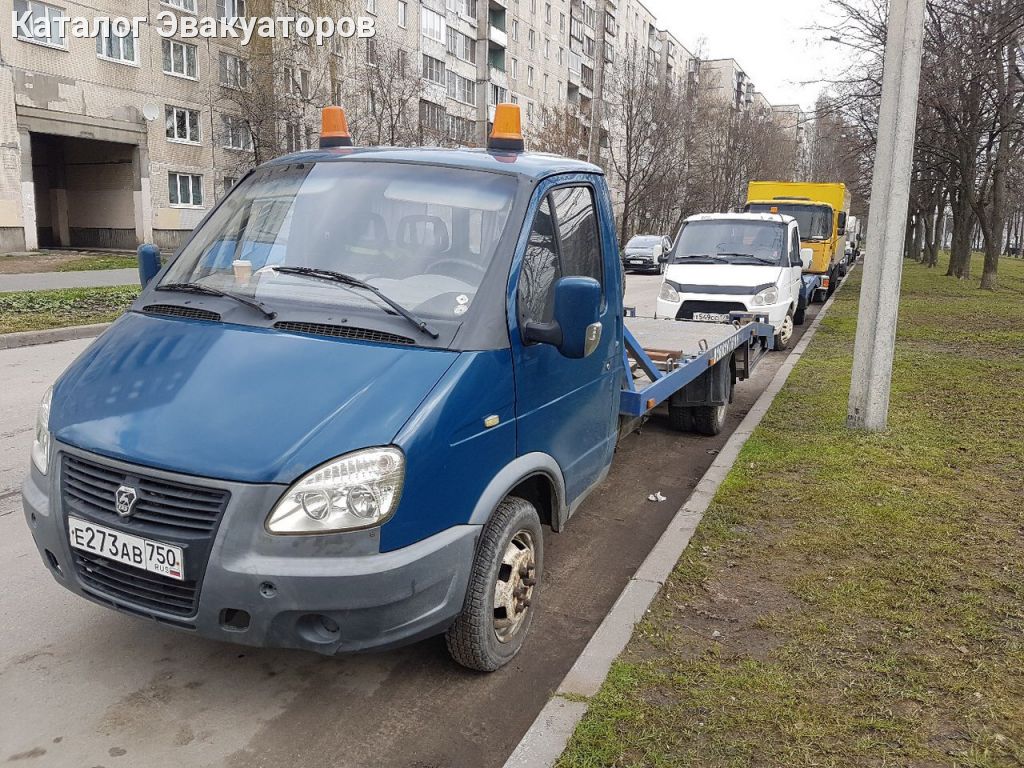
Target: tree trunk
<point>917,252</point>
<point>963,231</point>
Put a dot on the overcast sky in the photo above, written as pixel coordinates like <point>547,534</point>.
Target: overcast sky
<point>770,40</point>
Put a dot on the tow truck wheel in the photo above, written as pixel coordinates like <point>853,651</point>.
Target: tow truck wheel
<point>502,594</point>
<point>709,419</point>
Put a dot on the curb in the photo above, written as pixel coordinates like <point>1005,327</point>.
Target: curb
<point>547,737</point>
<point>50,335</point>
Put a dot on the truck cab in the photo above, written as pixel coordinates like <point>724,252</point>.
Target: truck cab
<point>821,211</point>
<point>729,262</point>
<point>338,418</point>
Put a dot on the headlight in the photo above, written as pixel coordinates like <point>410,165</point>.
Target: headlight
<point>41,443</point>
<point>668,293</point>
<point>358,490</point>
<point>767,296</point>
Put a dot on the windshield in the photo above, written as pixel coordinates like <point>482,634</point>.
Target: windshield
<point>643,241</point>
<point>815,221</point>
<point>424,236</point>
<point>733,240</point>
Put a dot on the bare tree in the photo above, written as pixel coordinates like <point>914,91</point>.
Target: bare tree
<point>386,93</point>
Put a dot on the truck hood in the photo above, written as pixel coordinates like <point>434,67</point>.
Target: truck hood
<point>235,402</point>
<point>728,279</point>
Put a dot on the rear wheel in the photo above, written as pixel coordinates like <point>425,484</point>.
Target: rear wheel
<point>500,600</point>
<point>709,419</point>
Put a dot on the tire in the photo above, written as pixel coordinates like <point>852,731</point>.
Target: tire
<point>709,419</point>
<point>661,268</point>
<point>785,334</point>
<point>833,283</point>
<point>512,542</point>
<point>680,418</point>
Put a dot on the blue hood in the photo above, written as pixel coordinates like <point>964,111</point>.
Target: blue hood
<point>234,402</point>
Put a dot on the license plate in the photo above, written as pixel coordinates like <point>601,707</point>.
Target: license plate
<point>146,554</point>
<point>636,262</point>
<point>712,317</point>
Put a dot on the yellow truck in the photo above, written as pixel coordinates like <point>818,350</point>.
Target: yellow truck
<point>821,211</point>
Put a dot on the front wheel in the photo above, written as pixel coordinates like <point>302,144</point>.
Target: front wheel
<point>661,267</point>
<point>785,334</point>
<point>502,593</point>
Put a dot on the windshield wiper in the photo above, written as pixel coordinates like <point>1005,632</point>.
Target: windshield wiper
<point>204,290</point>
<point>771,262</point>
<point>354,282</point>
<point>706,256</point>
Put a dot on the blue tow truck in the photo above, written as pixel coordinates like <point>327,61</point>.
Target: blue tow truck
<point>341,416</point>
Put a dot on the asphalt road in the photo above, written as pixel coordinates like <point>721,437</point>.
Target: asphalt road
<point>82,686</point>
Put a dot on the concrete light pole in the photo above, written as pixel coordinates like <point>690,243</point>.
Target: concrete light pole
<point>890,196</point>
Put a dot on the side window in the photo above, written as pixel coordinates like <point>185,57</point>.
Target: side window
<point>541,269</point>
<point>795,239</point>
<point>579,237</point>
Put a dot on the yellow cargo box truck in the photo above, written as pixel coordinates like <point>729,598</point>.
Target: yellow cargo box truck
<point>821,211</point>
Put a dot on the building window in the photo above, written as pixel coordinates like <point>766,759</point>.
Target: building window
<point>179,59</point>
<point>114,48</point>
<point>185,5</point>
<point>513,69</point>
<point>182,124</point>
<point>461,46</point>
<point>403,14</point>
<point>51,31</point>
<point>236,133</point>
<point>433,70</point>
<point>185,190</point>
<point>461,88</point>
<point>460,129</point>
<point>296,83</point>
<point>292,138</point>
<point>498,95</point>
<point>371,7</point>
<point>433,25</point>
<point>231,9</point>
<point>233,71</point>
<point>433,117</point>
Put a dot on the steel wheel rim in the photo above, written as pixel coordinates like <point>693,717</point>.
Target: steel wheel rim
<point>786,332</point>
<point>514,585</point>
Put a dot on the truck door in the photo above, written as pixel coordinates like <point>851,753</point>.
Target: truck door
<point>566,408</point>
<point>794,276</point>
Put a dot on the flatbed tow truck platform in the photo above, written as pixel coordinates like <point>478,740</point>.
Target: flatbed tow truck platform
<point>689,364</point>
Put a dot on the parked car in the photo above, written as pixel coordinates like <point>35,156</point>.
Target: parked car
<point>320,427</point>
<point>647,253</point>
<point>737,262</point>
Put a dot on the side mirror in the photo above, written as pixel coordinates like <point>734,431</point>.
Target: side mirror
<point>806,257</point>
<point>842,223</point>
<point>149,263</point>
<point>576,329</point>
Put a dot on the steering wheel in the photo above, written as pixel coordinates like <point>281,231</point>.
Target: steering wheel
<point>433,268</point>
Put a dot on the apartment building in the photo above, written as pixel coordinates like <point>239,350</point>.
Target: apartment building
<point>726,80</point>
<point>793,122</point>
<point>114,141</point>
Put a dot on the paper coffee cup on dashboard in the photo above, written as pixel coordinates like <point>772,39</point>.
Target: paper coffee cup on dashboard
<point>243,271</point>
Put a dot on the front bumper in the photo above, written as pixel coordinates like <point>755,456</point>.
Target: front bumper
<point>776,312</point>
<point>639,262</point>
<point>328,594</point>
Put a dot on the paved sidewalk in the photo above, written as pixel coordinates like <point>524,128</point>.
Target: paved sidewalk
<point>43,281</point>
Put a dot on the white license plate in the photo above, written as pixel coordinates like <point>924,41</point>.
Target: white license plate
<point>712,317</point>
<point>146,554</point>
<point>636,262</point>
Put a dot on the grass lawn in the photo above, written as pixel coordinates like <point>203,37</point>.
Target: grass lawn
<point>851,599</point>
<point>98,261</point>
<point>64,261</point>
<point>35,310</point>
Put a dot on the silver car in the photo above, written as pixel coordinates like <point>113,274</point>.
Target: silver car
<point>648,253</point>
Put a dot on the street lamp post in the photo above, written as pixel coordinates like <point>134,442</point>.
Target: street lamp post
<point>890,196</point>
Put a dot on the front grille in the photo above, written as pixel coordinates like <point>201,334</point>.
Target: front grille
<point>344,332</point>
<point>140,588</point>
<point>168,507</point>
<point>717,307</point>
<point>172,310</point>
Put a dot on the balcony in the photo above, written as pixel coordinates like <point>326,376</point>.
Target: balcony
<point>498,37</point>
